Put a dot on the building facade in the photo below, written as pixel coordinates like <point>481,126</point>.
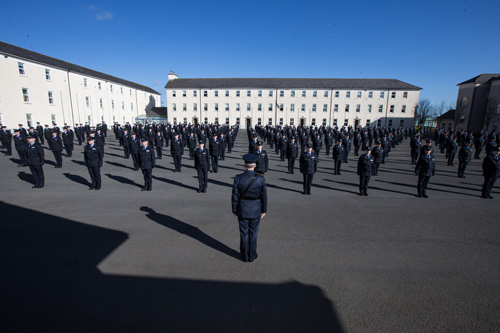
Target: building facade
<point>478,103</point>
<point>334,102</point>
<point>37,88</point>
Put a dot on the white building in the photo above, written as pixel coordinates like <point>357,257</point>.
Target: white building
<point>37,88</point>
<point>335,102</point>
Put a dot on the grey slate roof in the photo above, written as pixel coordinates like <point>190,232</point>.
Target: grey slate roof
<point>482,78</point>
<point>276,83</point>
<point>450,114</point>
<point>18,52</point>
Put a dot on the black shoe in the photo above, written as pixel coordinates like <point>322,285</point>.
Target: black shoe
<point>40,186</point>
<point>204,191</point>
<point>490,197</point>
<point>251,260</point>
<point>361,194</point>
<point>198,190</point>
<point>97,188</point>
<point>34,186</point>
<point>425,195</point>
<point>484,197</point>
<point>419,195</point>
<point>366,194</point>
<point>143,189</point>
<point>149,189</point>
<point>304,192</point>
<point>91,188</point>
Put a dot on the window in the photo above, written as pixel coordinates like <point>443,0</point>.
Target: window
<point>325,94</point>
<point>184,93</point>
<point>393,94</point>
<point>227,121</point>
<point>259,121</point>
<point>370,94</point>
<point>130,92</point>
<point>347,108</point>
<point>292,122</point>
<point>237,93</point>
<point>111,88</point>
<point>270,108</point>
<point>401,123</point>
<point>382,94</point>
<point>205,93</point>
<point>392,109</point>
<point>131,106</point>
<point>379,122</point>
<point>380,108</point>
<point>324,122</point>
<point>216,106</point>
<point>195,93</point>
<point>336,108</point>
<point>282,93</point>
<point>281,121</point>
<point>325,107</point>
<point>346,122</point>
<point>347,94</point>
<point>270,122</point>
<point>368,122</point>
<point>303,108</point>
<point>281,107</point>
<point>85,82</point>
<point>358,108</point>
<point>292,93</point>
<point>227,107</point>
<point>270,93</point>
<point>195,107</point>
<point>113,105</point>
<point>184,107</point>
<point>205,120</point>
<point>313,122</point>
<point>121,90</point>
<point>405,95</point>
<point>403,109</point>
<point>237,120</point>
<point>303,93</point>
<point>87,101</point>
<point>337,94</point>
<point>249,106</point>
<point>47,74</point>
<point>29,120</point>
<point>227,93</point>
<point>175,120</point>
<point>315,94</point>
<point>185,120</point>
<point>369,108</point>
<point>20,65</point>
<point>259,107</point>
<point>334,123</point>
<point>100,103</point>
<point>259,93</point>
<point>99,85</point>
<point>51,97</point>
<point>314,108</point>
<point>54,119</point>
<point>205,107</point>
<point>238,107</point>
<point>292,107</point>
<point>359,94</point>
<point>174,107</point>
<point>216,120</point>
<point>249,93</point>
<point>123,105</point>
<point>173,93</point>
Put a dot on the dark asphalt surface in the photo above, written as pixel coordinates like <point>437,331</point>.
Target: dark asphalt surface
<point>167,260</point>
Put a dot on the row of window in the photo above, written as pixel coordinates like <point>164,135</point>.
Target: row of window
<point>359,94</point>
<point>292,122</point>
<point>291,109</point>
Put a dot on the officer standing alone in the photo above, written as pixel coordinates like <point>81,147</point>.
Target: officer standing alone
<point>147,163</point>
<point>93,156</point>
<point>249,203</point>
<point>308,167</point>
<point>365,169</point>
<point>35,161</point>
<point>202,164</point>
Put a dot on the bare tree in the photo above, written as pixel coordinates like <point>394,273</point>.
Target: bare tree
<point>423,110</point>
<point>439,109</point>
<point>460,112</point>
<point>492,111</point>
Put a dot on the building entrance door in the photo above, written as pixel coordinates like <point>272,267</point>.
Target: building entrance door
<point>249,122</point>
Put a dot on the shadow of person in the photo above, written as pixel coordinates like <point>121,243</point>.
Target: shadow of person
<point>26,177</point>
<point>189,230</point>
<point>77,179</point>
<point>123,180</point>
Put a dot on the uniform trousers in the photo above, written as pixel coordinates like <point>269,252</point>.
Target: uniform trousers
<point>375,167</point>
<point>148,178</point>
<point>177,162</point>
<point>215,163</point>
<point>95,176</point>
<point>159,152</point>
<point>135,159</point>
<point>489,182</point>
<point>37,172</point>
<point>461,168</point>
<point>248,238</point>
<point>23,156</point>
<point>126,151</point>
<point>363,184</point>
<point>308,179</point>
<point>291,164</point>
<point>337,162</point>
<point>422,184</point>
<point>191,153</point>
<point>202,178</point>
<point>58,157</point>
<point>68,150</point>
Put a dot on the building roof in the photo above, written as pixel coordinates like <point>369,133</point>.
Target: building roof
<point>276,83</point>
<point>11,50</point>
<point>447,115</point>
<point>482,78</point>
<point>157,112</point>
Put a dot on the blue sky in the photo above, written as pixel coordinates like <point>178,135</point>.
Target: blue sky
<point>432,44</point>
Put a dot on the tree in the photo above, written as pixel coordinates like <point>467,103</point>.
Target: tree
<point>460,112</point>
<point>423,110</point>
<point>492,111</point>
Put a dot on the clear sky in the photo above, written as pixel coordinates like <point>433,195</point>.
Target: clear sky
<point>431,44</point>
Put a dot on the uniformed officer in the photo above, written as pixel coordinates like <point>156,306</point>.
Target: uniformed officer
<point>35,161</point>
<point>249,203</point>
<point>177,150</point>
<point>147,163</point>
<point>56,147</point>
<point>377,153</point>
<point>425,168</point>
<point>68,142</point>
<point>21,146</point>
<point>202,164</point>
<point>214,153</point>
<point>159,144</point>
<point>93,156</point>
<point>464,157</point>
<point>134,150</point>
<point>191,143</point>
<point>308,167</point>
<point>365,169</point>
<point>262,164</point>
<point>338,152</point>
<point>292,151</point>
<point>491,172</point>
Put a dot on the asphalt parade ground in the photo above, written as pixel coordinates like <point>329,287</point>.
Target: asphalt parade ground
<point>119,259</point>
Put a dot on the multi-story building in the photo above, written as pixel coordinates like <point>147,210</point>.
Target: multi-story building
<point>478,103</point>
<point>334,102</point>
<point>37,88</point>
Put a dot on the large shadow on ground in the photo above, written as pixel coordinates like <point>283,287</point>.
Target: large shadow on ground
<point>50,283</point>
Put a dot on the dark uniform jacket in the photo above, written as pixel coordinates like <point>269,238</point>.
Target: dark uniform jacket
<point>35,154</point>
<point>147,158</point>
<point>134,145</point>
<point>56,144</point>
<point>338,152</point>
<point>19,142</point>
<point>263,161</point>
<point>292,150</point>
<point>201,159</point>
<point>254,202</point>
<point>365,165</point>
<point>93,155</point>
<point>491,166</point>
<point>177,147</point>
<point>158,141</point>
<point>214,148</point>
<point>308,164</point>
<point>425,166</point>
<point>465,154</point>
<point>191,141</point>
<point>377,154</point>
